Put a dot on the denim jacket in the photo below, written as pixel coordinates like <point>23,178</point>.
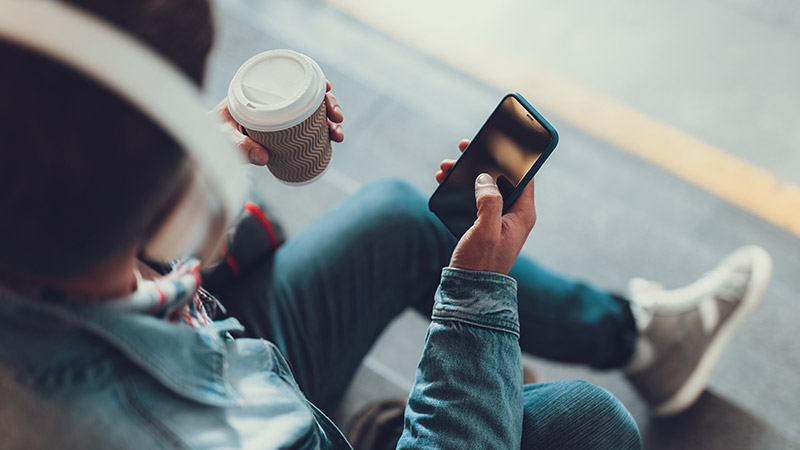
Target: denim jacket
<point>90,376</point>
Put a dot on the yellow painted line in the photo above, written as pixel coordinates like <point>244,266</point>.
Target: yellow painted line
<point>733,179</point>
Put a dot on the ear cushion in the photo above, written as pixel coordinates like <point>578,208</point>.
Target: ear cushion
<point>151,84</point>
<point>195,226</point>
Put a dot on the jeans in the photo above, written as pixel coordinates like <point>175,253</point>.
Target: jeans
<point>329,292</point>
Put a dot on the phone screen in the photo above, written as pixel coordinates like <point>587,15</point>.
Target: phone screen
<point>507,147</point>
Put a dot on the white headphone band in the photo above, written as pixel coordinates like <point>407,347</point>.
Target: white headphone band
<point>149,83</point>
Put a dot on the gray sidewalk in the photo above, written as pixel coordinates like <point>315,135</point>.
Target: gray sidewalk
<point>604,216</point>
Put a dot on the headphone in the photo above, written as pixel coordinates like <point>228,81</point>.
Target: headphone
<point>218,187</point>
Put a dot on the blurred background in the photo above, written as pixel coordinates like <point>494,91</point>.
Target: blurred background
<point>679,126</point>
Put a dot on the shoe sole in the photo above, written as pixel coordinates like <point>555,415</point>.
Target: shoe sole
<point>688,394</point>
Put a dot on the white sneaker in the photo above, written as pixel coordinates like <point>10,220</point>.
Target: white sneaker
<point>683,332</point>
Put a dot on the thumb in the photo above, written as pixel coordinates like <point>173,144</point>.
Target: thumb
<point>489,202</point>
<point>255,152</point>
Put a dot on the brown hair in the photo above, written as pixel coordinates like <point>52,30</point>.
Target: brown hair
<point>83,175</point>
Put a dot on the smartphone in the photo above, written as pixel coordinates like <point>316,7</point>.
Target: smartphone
<point>511,146</point>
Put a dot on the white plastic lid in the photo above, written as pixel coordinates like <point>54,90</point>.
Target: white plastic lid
<point>275,90</point>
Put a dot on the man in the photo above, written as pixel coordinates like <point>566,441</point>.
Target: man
<point>134,378</point>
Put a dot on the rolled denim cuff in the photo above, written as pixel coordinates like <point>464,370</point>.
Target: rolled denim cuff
<point>482,299</point>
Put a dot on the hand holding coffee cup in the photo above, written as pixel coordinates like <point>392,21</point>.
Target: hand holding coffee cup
<point>279,98</point>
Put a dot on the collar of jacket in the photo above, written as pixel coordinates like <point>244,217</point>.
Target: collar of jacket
<point>39,337</point>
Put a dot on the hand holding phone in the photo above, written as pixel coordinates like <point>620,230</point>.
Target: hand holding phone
<point>511,147</point>
<point>493,243</point>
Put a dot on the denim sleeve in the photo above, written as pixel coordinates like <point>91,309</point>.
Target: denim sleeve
<point>468,387</point>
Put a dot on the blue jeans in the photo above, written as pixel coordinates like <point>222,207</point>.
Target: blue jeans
<point>330,291</point>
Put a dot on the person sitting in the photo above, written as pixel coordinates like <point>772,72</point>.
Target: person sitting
<point>102,350</point>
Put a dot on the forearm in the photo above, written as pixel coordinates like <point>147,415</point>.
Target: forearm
<point>468,387</point>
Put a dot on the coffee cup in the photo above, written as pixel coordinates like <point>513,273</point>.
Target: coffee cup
<point>278,97</point>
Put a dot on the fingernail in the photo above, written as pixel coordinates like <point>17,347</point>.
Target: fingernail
<point>337,109</point>
<point>339,128</point>
<point>485,179</point>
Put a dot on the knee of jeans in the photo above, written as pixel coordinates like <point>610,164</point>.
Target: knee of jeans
<point>395,202</point>
<point>589,417</point>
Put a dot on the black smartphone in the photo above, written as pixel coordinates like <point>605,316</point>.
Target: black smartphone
<point>511,146</point>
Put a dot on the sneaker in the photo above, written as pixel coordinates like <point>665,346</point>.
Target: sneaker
<point>683,332</point>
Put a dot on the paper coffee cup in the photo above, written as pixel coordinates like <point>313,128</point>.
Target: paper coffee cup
<point>279,99</point>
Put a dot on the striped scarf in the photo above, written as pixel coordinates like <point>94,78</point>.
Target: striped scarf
<point>176,296</point>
